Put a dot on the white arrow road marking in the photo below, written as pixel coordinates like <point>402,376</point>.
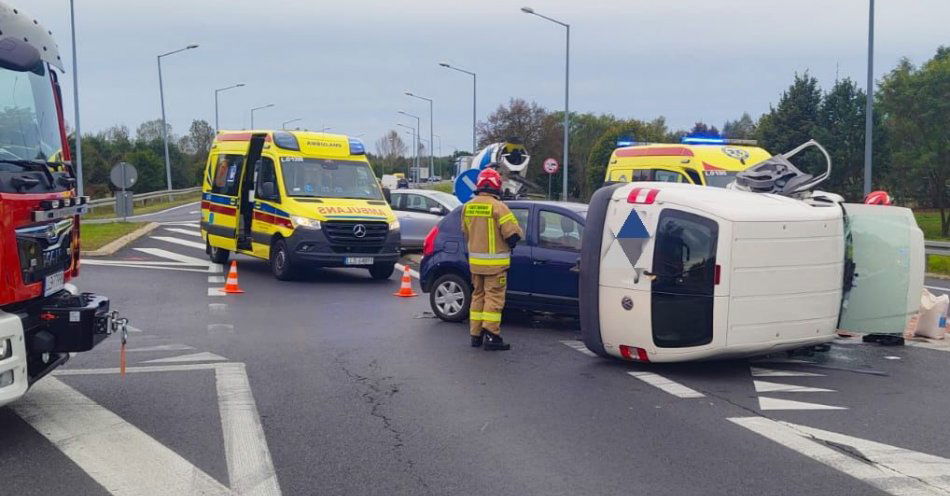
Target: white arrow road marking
<point>780,404</point>
<point>163,347</point>
<point>897,471</point>
<point>177,257</point>
<point>116,454</point>
<point>762,372</point>
<point>189,232</point>
<point>250,468</point>
<point>579,346</point>
<point>179,241</point>
<point>194,357</point>
<point>674,388</point>
<point>777,387</point>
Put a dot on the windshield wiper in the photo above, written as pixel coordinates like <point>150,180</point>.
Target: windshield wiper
<point>37,165</point>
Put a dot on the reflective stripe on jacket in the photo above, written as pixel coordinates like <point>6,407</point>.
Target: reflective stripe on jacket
<point>487,223</point>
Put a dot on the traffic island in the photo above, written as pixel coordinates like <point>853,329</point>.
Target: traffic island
<point>102,240</point>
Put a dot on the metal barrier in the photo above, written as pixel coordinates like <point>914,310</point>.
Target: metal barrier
<point>937,248</point>
<point>99,202</point>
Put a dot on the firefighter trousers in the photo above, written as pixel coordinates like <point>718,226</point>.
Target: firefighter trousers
<point>488,299</point>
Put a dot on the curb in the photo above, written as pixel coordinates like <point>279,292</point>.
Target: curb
<point>937,276</point>
<point>118,244</point>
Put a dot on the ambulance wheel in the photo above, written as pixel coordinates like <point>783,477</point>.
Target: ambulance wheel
<point>450,298</point>
<point>382,271</point>
<point>280,263</point>
<point>218,255</point>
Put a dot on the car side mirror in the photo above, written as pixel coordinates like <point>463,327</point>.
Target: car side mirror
<point>268,190</point>
<point>388,195</point>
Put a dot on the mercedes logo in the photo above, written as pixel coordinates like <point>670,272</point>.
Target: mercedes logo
<point>51,233</point>
<point>359,230</point>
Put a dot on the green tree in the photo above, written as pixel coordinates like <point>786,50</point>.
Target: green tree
<point>793,122</point>
<point>915,103</point>
<point>654,131</point>
<point>741,128</point>
<point>841,131</point>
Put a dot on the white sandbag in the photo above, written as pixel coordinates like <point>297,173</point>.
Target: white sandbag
<point>932,321</point>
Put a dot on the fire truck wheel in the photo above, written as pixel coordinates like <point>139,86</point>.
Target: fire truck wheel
<point>280,263</point>
<point>382,271</point>
<point>218,255</point>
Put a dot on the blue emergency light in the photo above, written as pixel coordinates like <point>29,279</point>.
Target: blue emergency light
<point>626,140</point>
<point>356,147</point>
<point>702,140</point>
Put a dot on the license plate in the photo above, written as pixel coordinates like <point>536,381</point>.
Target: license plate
<point>358,261</point>
<point>53,283</point>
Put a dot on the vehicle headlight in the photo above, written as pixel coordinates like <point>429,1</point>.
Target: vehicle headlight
<point>394,225</point>
<point>6,349</point>
<point>305,222</point>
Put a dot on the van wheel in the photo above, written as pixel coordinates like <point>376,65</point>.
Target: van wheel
<point>280,263</point>
<point>218,255</point>
<point>382,271</point>
<point>450,298</point>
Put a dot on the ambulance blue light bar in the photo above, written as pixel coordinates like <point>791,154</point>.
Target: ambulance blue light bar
<point>715,140</point>
<point>356,147</point>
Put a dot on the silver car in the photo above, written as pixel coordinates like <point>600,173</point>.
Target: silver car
<point>418,211</point>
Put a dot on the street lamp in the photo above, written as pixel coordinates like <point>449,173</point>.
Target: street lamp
<point>161,93</point>
<point>474,97</point>
<point>283,125</point>
<point>431,159</point>
<point>72,23</point>
<point>219,90</point>
<point>269,105</point>
<point>415,147</point>
<point>869,103</point>
<point>416,117</point>
<point>567,82</point>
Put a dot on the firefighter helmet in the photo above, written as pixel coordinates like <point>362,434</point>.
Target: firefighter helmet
<point>488,179</point>
<point>878,197</point>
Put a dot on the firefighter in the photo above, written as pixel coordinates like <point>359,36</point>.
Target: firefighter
<point>491,232</point>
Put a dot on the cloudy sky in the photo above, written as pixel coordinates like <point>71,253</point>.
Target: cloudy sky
<point>345,64</point>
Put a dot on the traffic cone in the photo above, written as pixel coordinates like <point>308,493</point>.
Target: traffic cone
<point>406,289</point>
<point>231,286</point>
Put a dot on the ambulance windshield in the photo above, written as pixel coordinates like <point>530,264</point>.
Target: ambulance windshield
<point>29,126</point>
<point>325,178</point>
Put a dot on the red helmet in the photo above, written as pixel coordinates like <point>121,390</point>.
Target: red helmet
<point>878,197</point>
<point>488,179</point>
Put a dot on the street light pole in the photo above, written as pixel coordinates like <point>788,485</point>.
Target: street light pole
<point>161,93</point>
<point>415,148</point>
<point>416,152</point>
<point>284,124</point>
<point>216,128</point>
<point>474,97</point>
<point>567,82</point>
<point>431,158</point>
<point>72,23</point>
<point>869,104</point>
<point>269,105</point>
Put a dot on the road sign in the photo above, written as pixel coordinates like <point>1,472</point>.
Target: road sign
<point>550,166</point>
<point>465,185</point>
<point>123,175</point>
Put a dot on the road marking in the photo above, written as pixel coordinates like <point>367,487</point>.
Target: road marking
<point>215,279</point>
<point>674,388</point>
<point>250,471</point>
<point>894,470</point>
<point>179,241</point>
<point>188,232</point>
<point>217,308</point>
<point>194,357</point>
<point>216,268</point>
<point>189,223</point>
<point>152,266</point>
<point>777,387</point>
<point>163,347</point>
<point>938,288</point>
<point>226,328</point>
<point>177,257</point>
<point>412,272</point>
<point>193,212</point>
<point>780,404</point>
<point>579,346</point>
<point>763,372</point>
<point>117,455</point>
<point>216,292</point>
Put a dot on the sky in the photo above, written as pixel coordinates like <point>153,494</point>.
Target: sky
<point>345,64</point>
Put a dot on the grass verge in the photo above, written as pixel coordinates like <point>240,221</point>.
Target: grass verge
<point>938,264</point>
<point>95,236</point>
<point>153,206</point>
<point>929,222</point>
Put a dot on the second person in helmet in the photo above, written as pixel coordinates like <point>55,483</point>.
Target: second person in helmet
<point>491,232</point>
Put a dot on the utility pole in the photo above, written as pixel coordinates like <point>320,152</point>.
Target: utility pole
<point>869,104</point>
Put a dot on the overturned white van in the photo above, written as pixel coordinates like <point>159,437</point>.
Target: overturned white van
<point>674,272</point>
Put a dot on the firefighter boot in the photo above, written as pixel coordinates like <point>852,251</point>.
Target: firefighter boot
<point>477,340</point>
<point>493,342</point>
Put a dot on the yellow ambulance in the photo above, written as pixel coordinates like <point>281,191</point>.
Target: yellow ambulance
<point>297,199</point>
<point>696,160</point>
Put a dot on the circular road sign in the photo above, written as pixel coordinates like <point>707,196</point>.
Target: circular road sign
<point>550,166</point>
<point>465,185</point>
<point>123,175</point>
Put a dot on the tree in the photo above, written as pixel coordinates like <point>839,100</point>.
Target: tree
<point>654,131</point>
<point>152,130</point>
<point>916,113</point>
<point>793,122</point>
<point>701,128</point>
<point>390,148</point>
<point>741,128</point>
<point>841,131</point>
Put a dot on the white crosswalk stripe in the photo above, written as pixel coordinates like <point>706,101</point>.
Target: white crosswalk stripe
<point>188,232</point>
<point>766,403</point>
<point>664,384</point>
<point>777,387</point>
<point>179,241</point>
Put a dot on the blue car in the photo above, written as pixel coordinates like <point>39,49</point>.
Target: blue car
<point>544,265</point>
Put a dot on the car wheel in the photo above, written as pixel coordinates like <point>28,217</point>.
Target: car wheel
<point>280,263</point>
<point>382,271</point>
<point>450,298</point>
<point>218,255</point>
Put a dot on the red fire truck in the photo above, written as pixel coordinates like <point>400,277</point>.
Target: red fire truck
<point>43,318</point>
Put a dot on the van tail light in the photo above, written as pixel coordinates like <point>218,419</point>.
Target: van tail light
<point>642,196</point>
<point>428,244</point>
<point>634,353</point>
<point>718,274</point>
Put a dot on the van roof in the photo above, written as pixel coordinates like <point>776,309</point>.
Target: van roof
<point>704,157</point>
<point>245,134</point>
<point>308,143</point>
<point>734,205</point>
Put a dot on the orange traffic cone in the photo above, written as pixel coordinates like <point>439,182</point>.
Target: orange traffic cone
<point>231,286</point>
<point>406,289</point>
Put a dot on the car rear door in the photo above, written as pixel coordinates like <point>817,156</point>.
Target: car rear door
<point>556,255</point>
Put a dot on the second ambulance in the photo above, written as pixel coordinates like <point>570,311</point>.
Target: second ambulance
<point>297,198</point>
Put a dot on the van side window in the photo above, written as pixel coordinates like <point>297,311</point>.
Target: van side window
<point>694,176</point>
<point>642,175</point>
<point>265,174</point>
<point>226,177</point>
<point>665,176</point>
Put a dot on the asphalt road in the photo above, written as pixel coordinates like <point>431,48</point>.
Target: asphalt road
<point>355,391</point>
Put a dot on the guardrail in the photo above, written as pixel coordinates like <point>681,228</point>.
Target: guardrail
<point>99,202</point>
<point>937,248</point>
